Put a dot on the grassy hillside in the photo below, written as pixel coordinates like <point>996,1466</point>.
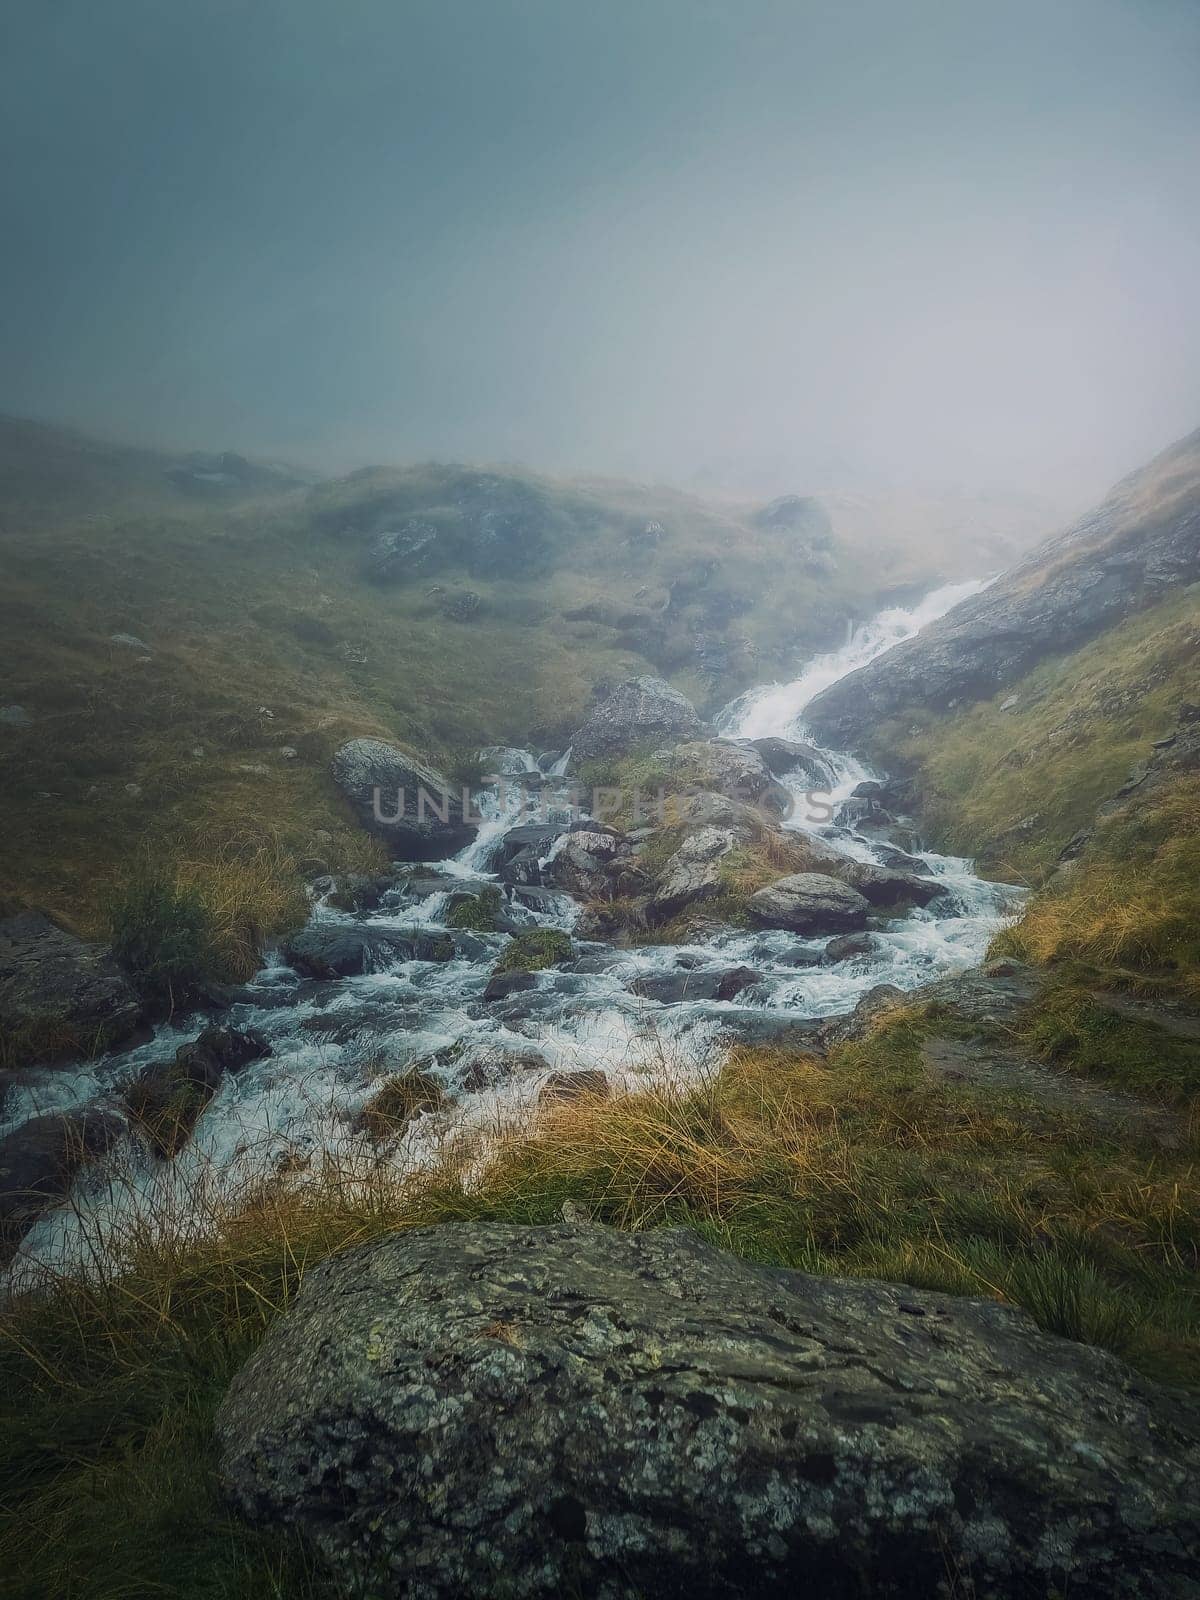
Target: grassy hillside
<point>1012,786</point>
<point>270,625</point>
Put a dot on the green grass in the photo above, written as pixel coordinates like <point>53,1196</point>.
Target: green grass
<point>1072,1024</point>
<point>1081,723</point>
<point>267,632</point>
<point>477,911</point>
<point>535,950</point>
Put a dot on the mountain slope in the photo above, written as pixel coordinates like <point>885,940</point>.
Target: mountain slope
<point>1124,557</point>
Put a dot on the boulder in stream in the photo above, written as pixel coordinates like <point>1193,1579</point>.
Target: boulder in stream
<point>638,711</point>
<point>416,811</point>
<point>39,1161</point>
<point>810,902</point>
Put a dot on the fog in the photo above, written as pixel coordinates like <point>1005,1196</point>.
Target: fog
<point>788,245</point>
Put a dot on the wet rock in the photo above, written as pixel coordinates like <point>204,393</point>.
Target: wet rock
<point>848,945</point>
<point>734,768</point>
<point>810,902</point>
<point>333,951</point>
<point>62,994</point>
<point>883,886</point>
<point>900,860</point>
<point>357,891</point>
<point>502,985</point>
<point>635,712</point>
<point>863,1020</point>
<point>39,1161</point>
<point>522,850</point>
<point>786,756</point>
<point>692,875</point>
<point>481,1408</point>
<point>489,1066</point>
<point>414,809</point>
<point>596,865</point>
<point>705,983</point>
<point>588,1084</point>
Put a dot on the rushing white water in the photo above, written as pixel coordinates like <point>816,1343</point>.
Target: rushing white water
<point>333,1041</point>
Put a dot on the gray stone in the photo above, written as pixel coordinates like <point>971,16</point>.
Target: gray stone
<point>129,641</point>
<point>14,717</point>
<point>810,902</point>
<point>636,712</point>
<point>486,1408</point>
<point>334,951</point>
<point>705,983</point>
<point>784,756</point>
<point>883,886</point>
<point>52,982</point>
<point>386,789</point>
<point>39,1161</point>
<point>692,875</point>
<point>848,945</point>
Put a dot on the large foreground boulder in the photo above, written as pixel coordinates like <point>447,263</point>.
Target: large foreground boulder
<point>416,811</point>
<point>810,902</point>
<point>60,993</point>
<point>638,711</point>
<point>490,1409</point>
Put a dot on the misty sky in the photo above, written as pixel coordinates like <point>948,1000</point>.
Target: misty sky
<point>795,244</point>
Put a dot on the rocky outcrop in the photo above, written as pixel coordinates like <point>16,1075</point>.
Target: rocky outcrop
<point>810,902</point>
<point>416,811</point>
<point>485,1408</point>
<point>692,875</point>
<point>638,711</point>
<point>596,865</point>
<point>733,768</point>
<point>1142,542</point>
<point>59,991</point>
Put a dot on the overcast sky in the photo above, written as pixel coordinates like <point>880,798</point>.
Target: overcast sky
<point>788,241</point>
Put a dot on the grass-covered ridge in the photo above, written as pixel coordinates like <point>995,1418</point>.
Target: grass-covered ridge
<point>867,1165</point>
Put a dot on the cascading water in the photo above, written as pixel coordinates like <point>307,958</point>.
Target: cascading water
<point>332,1040</point>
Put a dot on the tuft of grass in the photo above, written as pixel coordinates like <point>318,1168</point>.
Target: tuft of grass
<point>477,912</point>
<point>1132,901</point>
<point>165,939</point>
<point>534,950</point>
<point>399,1099</point>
